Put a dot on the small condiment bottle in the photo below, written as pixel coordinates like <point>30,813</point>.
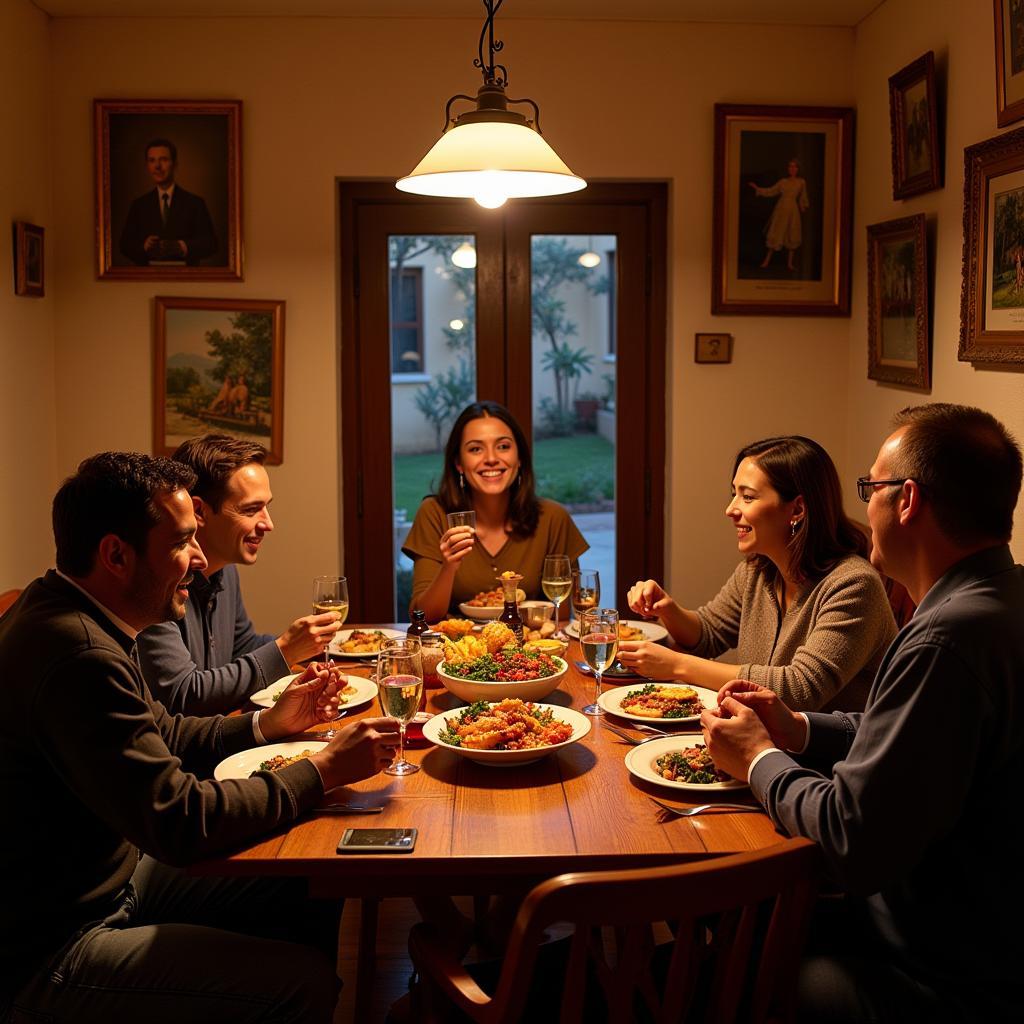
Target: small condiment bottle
<point>431,655</point>
<point>418,626</point>
<point>510,613</point>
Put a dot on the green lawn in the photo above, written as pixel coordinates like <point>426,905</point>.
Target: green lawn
<point>571,470</point>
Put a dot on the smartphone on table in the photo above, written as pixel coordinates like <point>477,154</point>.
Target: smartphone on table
<point>377,840</point>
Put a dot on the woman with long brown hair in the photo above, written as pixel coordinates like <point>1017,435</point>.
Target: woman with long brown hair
<point>806,612</point>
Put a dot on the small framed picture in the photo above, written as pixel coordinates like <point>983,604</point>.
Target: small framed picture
<point>898,351</point>
<point>219,367</point>
<point>914,123</point>
<point>713,348</point>
<point>29,276</point>
<point>1009,26</point>
<point>169,189</point>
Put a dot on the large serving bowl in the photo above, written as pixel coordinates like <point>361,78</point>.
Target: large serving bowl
<point>470,690</point>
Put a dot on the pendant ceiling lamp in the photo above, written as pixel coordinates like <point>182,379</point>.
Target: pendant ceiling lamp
<point>589,259</point>
<point>491,153</point>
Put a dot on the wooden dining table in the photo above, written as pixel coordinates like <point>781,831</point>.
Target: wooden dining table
<point>485,830</point>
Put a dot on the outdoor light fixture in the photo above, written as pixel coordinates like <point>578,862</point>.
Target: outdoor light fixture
<point>456,324</point>
<point>464,256</point>
<point>491,154</point>
<point>589,259</point>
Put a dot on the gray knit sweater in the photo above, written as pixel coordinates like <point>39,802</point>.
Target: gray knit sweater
<point>822,654</point>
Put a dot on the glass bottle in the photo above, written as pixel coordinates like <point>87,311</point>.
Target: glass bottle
<point>431,654</point>
<point>510,613</point>
<point>418,626</point>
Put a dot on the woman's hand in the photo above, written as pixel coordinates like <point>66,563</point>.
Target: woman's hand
<point>456,543</point>
<point>308,700</point>
<point>649,659</point>
<point>647,598</point>
<point>787,729</point>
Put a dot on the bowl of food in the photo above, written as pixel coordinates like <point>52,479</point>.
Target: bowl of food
<point>535,613</point>
<point>508,732</point>
<point>509,672</point>
<point>547,645</point>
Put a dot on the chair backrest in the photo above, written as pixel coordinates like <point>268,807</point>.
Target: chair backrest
<point>7,598</point>
<point>900,601</point>
<point>739,923</point>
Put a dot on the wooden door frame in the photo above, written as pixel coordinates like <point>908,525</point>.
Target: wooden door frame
<point>640,458</point>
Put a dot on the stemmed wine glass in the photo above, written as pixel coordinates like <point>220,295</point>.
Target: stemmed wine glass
<point>585,593</point>
<point>599,638</point>
<point>399,689</point>
<point>556,581</point>
<point>330,594</point>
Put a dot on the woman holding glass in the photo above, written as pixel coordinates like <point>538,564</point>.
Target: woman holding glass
<point>488,470</point>
<point>807,614</point>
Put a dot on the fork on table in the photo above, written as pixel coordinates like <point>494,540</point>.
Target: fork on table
<point>689,812</point>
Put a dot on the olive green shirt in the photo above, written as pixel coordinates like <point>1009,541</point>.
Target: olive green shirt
<point>556,534</point>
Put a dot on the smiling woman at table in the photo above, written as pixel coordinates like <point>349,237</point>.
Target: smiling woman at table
<point>488,469</point>
<point>806,612</point>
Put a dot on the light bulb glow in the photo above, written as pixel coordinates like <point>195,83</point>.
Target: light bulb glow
<point>589,259</point>
<point>464,256</point>
<point>456,324</point>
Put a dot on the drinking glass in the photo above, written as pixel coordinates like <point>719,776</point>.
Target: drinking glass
<point>599,638</point>
<point>399,689</point>
<point>330,594</point>
<point>586,592</point>
<point>556,580</point>
<point>462,519</point>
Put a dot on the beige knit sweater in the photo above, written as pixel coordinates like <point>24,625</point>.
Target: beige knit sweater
<point>822,654</point>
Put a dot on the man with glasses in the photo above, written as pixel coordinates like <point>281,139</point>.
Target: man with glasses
<point>914,802</point>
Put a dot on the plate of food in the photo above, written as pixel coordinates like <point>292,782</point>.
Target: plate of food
<point>507,732</point>
<point>678,764</point>
<point>361,643</point>
<point>629,629</point>
<point>358,691</point>
<point>269,758</point>
<point>664,703</point>
<point>487,604</point>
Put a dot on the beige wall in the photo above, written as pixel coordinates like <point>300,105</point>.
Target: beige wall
<point>27,410</point>
<point>960,33</point>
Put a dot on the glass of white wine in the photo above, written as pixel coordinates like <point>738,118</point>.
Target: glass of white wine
<point>556,581</point>
<point>599,638</point>
<point>585,592</point>
<point>330,594</point>
<point>399,689</point>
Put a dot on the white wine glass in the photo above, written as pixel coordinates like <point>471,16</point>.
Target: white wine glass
<point>399,689</point>
<point>330,594</point>
<point>556,581</point>
<point>585,592</point>
<point>599,638</point>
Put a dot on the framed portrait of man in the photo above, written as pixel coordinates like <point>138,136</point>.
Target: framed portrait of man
<point>783,210</point>
<point>169,189</point>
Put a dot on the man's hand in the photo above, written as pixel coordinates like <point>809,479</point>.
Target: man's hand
<point>152,242</point>
<point>788,730</point>
<point>734,736</point>
<point>647,598</point>
<point>308,700</point>
<point>308,636</point>
<point>648,659</point>
<point>357,751</point>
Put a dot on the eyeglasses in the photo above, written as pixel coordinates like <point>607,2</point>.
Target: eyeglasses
<point>865,486</point>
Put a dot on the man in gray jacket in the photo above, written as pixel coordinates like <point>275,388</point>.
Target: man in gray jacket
<point>210,660</point>
<point>915,801</point>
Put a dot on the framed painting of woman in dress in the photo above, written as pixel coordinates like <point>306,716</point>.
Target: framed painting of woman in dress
<point>783,210</point>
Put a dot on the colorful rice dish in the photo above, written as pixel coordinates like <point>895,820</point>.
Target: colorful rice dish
<point>511,724</point>
<point>692,764</point>
<point>511,664</point>
<point>654,701</point>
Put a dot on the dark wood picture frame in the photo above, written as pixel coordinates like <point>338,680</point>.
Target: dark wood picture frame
<point>712,348</point>
<point>218,367</point>
<point>1009,40</point>
<point>136,239</point>
<point>29,260</point>
<point>898,322</point>
<point>914,124</point>
<point>792,257</point>
<point>992,296</point>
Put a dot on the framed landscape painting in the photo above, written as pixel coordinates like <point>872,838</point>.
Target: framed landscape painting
<point>1009,33</point>
<point>913,119</point>
<point>168,189</point>
<point>219,368</point>
<point>898,351</point>
<point>992,296</point>
<point>782,211</point>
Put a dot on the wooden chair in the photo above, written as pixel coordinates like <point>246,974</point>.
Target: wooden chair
<point>739,923</point>
<point>7,598</point>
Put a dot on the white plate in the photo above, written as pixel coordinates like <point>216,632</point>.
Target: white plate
<point>506,758</point>
<point>343,634</point>
<point>653,631</point>
<point>611,700</point>
<point>640,762</point>
<point>473,612</point>
<point>365,689</point>
<point>244,763</point>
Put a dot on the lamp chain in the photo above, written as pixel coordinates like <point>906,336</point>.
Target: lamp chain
<point>490,69</point>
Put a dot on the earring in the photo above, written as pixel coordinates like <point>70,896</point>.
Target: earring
<point>462,481</point>
<point>519,478</point>
<point>794,526</point>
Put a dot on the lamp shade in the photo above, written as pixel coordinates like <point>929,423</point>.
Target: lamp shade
<point>491,161</point>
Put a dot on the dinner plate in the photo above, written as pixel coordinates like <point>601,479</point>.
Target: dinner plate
<point>611,700</point>
<point>640,762</point>
<point>653,631</point>
<point>507,758</point>
<point>343,634</point>
<point>366,690</point>
<point>245,762</point>
<point>480,614</point>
